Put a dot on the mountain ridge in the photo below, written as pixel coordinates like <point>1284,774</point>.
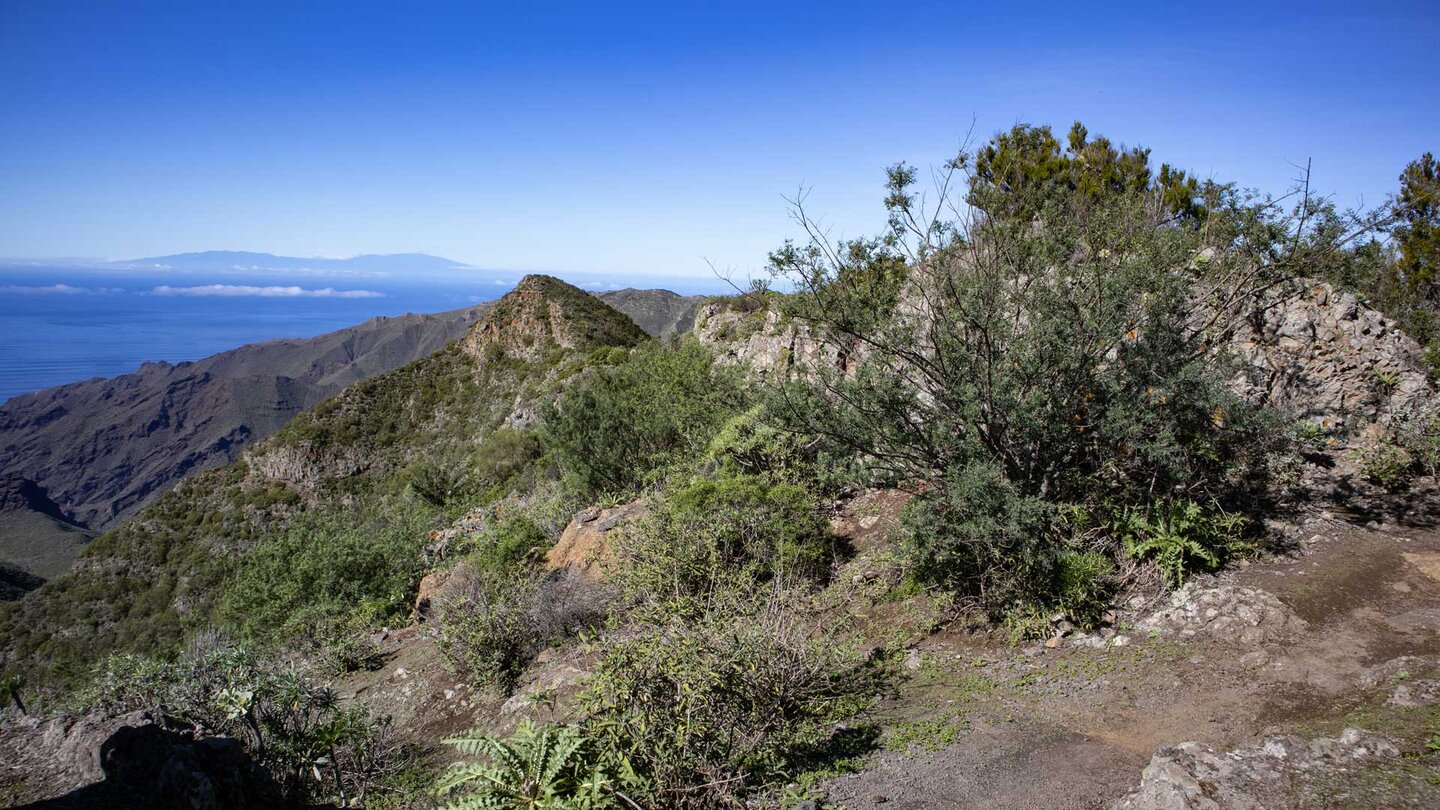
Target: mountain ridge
<point>107,447</point>
<point>147,582</point>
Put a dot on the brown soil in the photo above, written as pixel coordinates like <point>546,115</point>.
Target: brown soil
<point>983,725</point>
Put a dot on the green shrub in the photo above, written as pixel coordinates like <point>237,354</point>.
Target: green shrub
<point>1083,587</point>
<point>740,699</point>
<point>1385,464</point>
<point>726,532</point>
<point>509,542</point>
<point>1417,431</point>
<point>980,534</point>
<point>506,460</point>
<point>325,567</point>
<point>316,749</point>
<point>663,405</point>
<point>347,644</point>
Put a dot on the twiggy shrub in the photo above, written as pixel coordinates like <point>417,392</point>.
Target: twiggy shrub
<point>1044,349</point>
<point>491,623</point>
<point>709,710</point>
<point>714,534</point>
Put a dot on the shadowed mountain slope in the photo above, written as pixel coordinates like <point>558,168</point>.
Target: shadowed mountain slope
<point>104,448</point>
<point>37,539</point>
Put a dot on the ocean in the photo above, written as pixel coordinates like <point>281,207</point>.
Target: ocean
<point>60,325</point>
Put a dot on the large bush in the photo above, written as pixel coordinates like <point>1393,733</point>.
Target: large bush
<point>324,567</point>
<point>1054,346</point>
<point>660,406</point>
<point>707,710</point>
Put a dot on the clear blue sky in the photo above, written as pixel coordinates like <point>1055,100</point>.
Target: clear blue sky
<point>640,139</point>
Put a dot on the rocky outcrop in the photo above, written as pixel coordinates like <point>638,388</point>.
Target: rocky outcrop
<point>763,340</point>
<point>1319,353</point>
<point>134,761</point>
<point>544,312</point>
<point>583,546</point>
<point>1228,613</point>
<point>869,521</point>
<point>1327,357</point>
<point>1281,772</point>
<point>303,466</point>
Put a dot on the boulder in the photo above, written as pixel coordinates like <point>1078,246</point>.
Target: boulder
<point>1275,774</point>
<point>869,519</point>
<point>1225,613</point>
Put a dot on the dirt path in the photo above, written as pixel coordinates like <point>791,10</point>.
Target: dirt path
<point>980,725</point>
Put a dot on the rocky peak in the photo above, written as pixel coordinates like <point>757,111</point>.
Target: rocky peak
<point>543,312</point>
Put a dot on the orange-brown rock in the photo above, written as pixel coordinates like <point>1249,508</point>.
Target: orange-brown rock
<point>583,545</point>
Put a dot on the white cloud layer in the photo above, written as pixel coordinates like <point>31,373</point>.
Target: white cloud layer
<point>233,290</point>
<point>55,289</point>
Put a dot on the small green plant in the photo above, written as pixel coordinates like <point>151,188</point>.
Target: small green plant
<point>554,767</point>
<point>1179,536</point>
<point>10,687</point>
<point>1083,587</point>
<point>1385,464</point>
<point>1418,432</point>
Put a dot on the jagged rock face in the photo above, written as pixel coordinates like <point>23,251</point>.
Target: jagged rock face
<point>1226,613</point>
<point>1282,772</point>
<point>1329,358</point>
<point>304,466</point>
<point>764,341</point>
<point>1321,354</point>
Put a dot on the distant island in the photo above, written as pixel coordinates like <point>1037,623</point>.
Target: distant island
<point>260,262</point>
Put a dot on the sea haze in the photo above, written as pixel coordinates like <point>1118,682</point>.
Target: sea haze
<point>59,325</point>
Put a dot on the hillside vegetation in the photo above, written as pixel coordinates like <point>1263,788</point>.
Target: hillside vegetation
<point>1035,372</point>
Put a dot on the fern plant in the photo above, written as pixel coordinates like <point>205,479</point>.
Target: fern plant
<point>1178,535</point>
<point>546,768</point>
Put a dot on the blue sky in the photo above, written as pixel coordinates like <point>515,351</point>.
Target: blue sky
<point>640,140</point>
